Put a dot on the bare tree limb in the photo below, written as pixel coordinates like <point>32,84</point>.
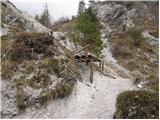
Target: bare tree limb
<point>81,49</point>
<point>105,73</point>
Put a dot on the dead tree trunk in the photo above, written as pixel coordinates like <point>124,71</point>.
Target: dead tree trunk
<point>102,65</point>
<point>92,70</point>
<point>105,73</point>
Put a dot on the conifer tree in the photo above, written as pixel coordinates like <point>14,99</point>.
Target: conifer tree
<point>45,17</point>
<point>87,23</point>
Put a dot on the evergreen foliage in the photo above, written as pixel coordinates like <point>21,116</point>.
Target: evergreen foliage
<point>87,23</point>
<point>45,17</point>
<point>36,17</point>
<point>135,33</point>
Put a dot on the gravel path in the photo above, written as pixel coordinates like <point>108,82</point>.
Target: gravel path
<point>95,100</point>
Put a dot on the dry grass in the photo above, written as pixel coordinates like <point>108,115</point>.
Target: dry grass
<point>7,69</point>
<point>136,58</point>
<point>28,46</point>
<point>6,46</point>
<point>63,25</point>
<point>40,80</point>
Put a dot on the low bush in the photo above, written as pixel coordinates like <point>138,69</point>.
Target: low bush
<point>121,51</point>
<point>20,53</point>
<point>6,46</point>
<point>29,45</point>
<point>8,68</point>
<point>63,89</point>
<point>137,105</point>
<point>30,67</point>
<point>41,80</point>
<point>20,82</point>
<point>122,47</point>
<point>135,34</point>
<point>52,65</point>
<point>44,96</point>
<point>21,99</point>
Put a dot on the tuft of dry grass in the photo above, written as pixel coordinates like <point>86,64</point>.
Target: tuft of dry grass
<point>21,99</point>
<point>40,80</point>
<point>7,69</point>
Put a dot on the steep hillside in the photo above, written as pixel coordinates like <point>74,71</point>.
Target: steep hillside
<point>32,63</point>
<point>131,32</point>
<point>131,40</point>
<point>49,76</point>
<point>14,20</point>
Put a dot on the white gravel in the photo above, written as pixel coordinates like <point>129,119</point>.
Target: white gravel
<point>95,100</point>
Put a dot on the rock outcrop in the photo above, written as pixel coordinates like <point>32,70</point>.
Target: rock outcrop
<point>16,20</point>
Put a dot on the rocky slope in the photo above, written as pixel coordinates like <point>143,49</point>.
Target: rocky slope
<point>48,93</point>
<point>27,76</point>
<point>14,19</point>
<point>122,24</point>
<point>117,18</point>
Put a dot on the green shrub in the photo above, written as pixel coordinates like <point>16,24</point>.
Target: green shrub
<point>45,17</point>
<point>137,105</point>
<point>63,89</point>
<point>136,35</point>
<point>30,67</point>
<point>57,67</point>
<point>20,82</point>
<point>21,99</point>
<point>52,66</point>
<point>44,96</point>
<point>42,79</point>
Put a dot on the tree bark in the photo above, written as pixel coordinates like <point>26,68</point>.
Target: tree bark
<point>92,70</point>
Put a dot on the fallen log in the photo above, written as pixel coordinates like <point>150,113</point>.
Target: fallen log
<point>105,73</point>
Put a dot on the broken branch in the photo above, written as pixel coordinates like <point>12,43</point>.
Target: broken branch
<point>81,49</point>
<point>105,73</point>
